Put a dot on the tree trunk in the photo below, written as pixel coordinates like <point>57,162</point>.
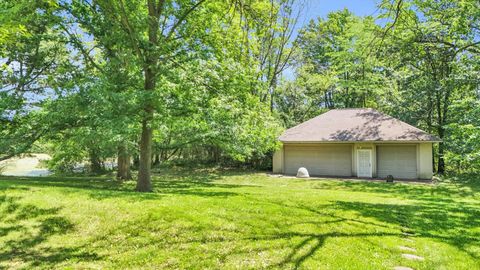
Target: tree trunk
<point>95,162</point>
<point>145,163</point>
<point>441,151</point>
<point>123,164</point>
<point>156,160</point>
<point>128,162</point>
<point>120,164</point>
<point>144,183</point>
<point>441,160</point>
<point>136,161</point>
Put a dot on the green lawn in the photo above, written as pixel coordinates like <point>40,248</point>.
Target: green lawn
<point>201,219</point>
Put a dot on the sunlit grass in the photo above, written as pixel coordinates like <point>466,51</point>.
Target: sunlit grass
<point>199,219</point>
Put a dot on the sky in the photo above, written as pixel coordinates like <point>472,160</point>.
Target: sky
<point>320,8</point>
<point>312,9</point>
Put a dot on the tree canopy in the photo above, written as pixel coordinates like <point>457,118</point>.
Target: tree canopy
<point>204,81</point>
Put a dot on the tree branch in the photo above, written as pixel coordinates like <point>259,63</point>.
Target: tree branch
<point>183,17</point>
<point>78,44</point>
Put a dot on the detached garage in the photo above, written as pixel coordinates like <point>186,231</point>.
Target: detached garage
<point>356,142</point>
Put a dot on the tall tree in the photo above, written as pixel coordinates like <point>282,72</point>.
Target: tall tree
<point>161,39</point>
<point>430,42</point>
<point>150,32</point>
<point>34,65</point>
<point>334,68</point>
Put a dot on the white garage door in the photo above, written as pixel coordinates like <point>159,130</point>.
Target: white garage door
<point>399,161</point>
<point>333,160</point>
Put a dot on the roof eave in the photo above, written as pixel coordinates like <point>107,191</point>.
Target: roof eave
<point>366,141</point>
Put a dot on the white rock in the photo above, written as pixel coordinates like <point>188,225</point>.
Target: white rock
<point>402,268</point>
<point>412,257</point>
<point>407,248</point>
<point>302,173</point>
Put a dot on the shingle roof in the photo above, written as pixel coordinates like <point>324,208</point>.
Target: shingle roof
<point>344,125</point>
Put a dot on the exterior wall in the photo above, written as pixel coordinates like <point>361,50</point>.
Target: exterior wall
<point>277,162</point>
<point>424,161</point>
<point>424,157</point>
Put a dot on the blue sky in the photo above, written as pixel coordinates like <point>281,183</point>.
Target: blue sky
<point>313,9</point>
<point>320,8</point>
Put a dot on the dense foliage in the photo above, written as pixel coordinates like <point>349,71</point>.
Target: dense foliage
<point>421,67</point>
<point>201,81</point>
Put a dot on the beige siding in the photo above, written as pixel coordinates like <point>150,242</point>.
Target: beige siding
<point>277,162</point>
<point>425,166</point>
<point>323,159</point>
<point>397,160</point>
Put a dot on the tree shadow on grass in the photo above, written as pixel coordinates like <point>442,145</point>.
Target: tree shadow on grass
<point>465,183</point>
<point>88,183</point>
<point>169,182</point>
<point>24,228</point>
<point>453,223</point>
<point>423,192</point>
<point>311,243</point>
<point>282,228</point>
<point>307,247</point>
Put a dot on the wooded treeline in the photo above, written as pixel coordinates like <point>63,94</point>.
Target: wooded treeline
<point>151,81</point>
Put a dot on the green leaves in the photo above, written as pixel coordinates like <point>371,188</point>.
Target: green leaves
<point>464,136</point>
<point>210,87</point>
<point>415,67</point>
<point>337,66</point>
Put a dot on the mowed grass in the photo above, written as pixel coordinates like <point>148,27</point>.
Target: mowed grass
<point>214,219</point>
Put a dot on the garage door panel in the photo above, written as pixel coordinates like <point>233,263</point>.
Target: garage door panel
<point>319,160</point>
<point>399,161</point>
